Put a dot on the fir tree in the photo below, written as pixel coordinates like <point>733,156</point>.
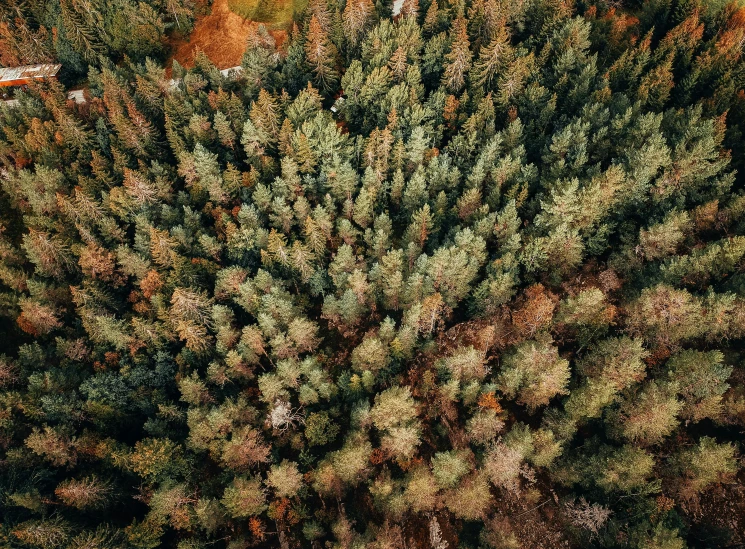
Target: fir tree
<point>321,55</point>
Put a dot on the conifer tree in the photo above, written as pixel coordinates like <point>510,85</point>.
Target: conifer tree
<point>355,18</point>
<point>458,59</point>
<point>321,55</point>
<point>469,275</point>
<point>535,373</point>
<point>493,58</point>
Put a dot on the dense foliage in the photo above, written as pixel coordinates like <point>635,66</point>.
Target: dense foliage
<point>494,298</point>
<point>79,33</point>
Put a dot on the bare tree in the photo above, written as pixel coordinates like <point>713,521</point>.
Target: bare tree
<point>587,516</point>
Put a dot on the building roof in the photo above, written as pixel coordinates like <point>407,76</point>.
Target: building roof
<point>11,75</point>
<point>337,104</point>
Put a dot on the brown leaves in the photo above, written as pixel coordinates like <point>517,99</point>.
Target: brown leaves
<point>245,449</point>
<point>99,264</point>
<point>434,312</point>
<point>37,319</point>
<point>84,493</point>
<point>256,525</point>
<point>151,284</point>
<point>54,446</point>
<point>535,312</point>
<point>26,325</point>
<point>489,402</point>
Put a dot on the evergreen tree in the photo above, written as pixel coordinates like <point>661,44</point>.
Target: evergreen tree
<point>321,55</point>
<point>470,275</point>
<point>458,59</point>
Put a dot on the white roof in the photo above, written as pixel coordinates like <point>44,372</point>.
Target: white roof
<point>76,95</point>
<point>232,71</point>
<point>29,72</point>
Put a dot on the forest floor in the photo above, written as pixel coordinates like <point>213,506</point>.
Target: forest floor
<point>719,514</point>
<point>221,34</point>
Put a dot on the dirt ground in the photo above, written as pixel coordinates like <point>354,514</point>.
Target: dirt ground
<point>221,35</point>
<point>718,515</point>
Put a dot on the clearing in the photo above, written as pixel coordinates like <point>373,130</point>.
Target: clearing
<point>221,35</point>
<point>276,14</point>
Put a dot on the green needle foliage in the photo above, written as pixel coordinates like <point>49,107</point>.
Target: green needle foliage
<point>493,298</point>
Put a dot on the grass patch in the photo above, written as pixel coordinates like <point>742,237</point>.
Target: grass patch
<point>276,13</point>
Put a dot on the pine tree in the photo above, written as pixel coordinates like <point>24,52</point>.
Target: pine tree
<point>511,206</point>
<point>410,8</point>
<point>265,117</point>
<point>225,132</point>
<point>625,469</point>
<point>85,493</point>
<point>535,373</point>
<point>285,479</point>
<point>84,29</point>
<point>244,497</point>
<point>458,59</point>
<point>702,380</point>
<point>43,533</point>
<point>665,316</point>
<point>420,227</point>
<point>704,464</point>
<point>611,366</point>
<point>431,18</point>
<point>493,59</point>
<point>356,18</point>
<point>321,55</point>
<point>650,416</point>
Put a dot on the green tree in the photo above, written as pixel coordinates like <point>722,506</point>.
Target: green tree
<point>650,416</point>
<point>534,373</point>
<point>493,58</point>
<point>244,497</point>
<point>701,378</point>
<point>394,414</point>
<point>704,464</point>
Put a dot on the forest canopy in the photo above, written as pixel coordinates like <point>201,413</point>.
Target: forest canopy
<point>470,277</point>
